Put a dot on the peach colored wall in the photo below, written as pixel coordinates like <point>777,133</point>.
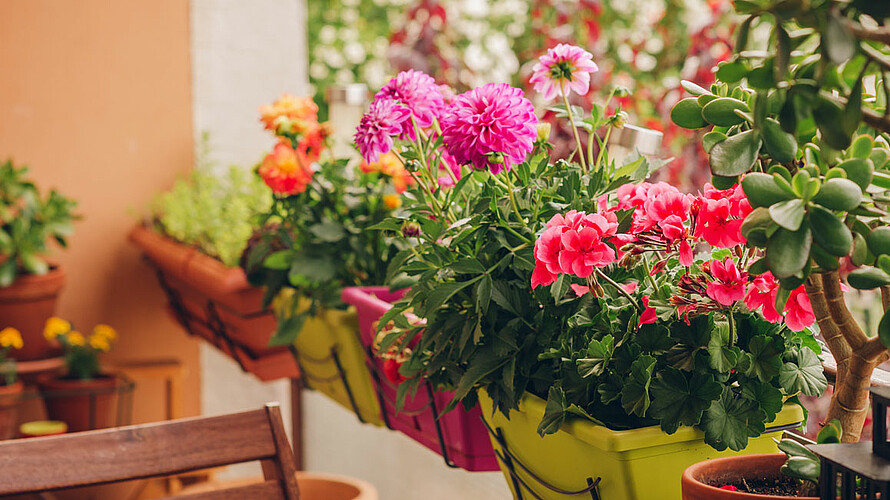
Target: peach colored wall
<point>95,97</point>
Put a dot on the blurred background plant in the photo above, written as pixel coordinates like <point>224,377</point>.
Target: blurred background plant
<point>215,213</point>
<point>645,46</point>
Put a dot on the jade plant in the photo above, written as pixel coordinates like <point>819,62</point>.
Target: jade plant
<point>27,223</point>
<point>217,214</point>
<point>622,302</point>
<point>802,119</point>
<point>802,464</point>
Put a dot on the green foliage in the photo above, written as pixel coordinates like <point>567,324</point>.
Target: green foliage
<point>318,241</point>
<point>27,223</point>
<point>802,463</point>
<point>796,117</point>
<point>216,214</point>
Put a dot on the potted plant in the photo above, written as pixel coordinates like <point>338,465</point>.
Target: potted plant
<point>84,397</point>
<point>29,284</point>
<point>195,238</point>
<point>10,388</point>
<point>620,319</point>
<point>803,119</point>
<point>316,241</point>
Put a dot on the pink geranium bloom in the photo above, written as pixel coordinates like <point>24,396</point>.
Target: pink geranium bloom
<point>729,283</point>
<point>717,225</point>
<point>548,248</point>
<point>762,295</point>
<point>686,256</point>
<point>491,127</point>
<point>563,69</point>
<point>583,251</point>
<point>649,315</point>
<point>385,118</point>
<point>542,276</point>
<point>632,195</point>
<point>798,310</point>
<point>418,92</point>
<point>575,243</point>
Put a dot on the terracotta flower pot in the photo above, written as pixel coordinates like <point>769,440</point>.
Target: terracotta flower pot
<point>26,305</point>
<point>82,404</point>
<point>216,303</point>
<point>698,478</point>
<point>312,485</point>
<point>10,398</point>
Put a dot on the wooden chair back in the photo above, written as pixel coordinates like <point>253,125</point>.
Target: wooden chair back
<point>155,450</point>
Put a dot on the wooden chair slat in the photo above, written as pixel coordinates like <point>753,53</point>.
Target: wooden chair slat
<point>150,450</point>
<point>269,490</point>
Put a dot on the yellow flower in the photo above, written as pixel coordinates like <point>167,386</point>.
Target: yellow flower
<point>10,337</point>
<point>76,338</point>
<point>106,332</point>
<point>100,343</point>
<point>55,327</point>
<point>392,201</point>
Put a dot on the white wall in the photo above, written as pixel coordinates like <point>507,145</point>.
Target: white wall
<point>246,53</point>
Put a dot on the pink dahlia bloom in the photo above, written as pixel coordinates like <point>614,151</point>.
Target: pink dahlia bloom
<point>384,119</point>
<point>563,69</point>
<point>492,127</point>
<point>729,283</point>
<point>418,92</point>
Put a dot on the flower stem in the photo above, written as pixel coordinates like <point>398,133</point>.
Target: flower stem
<point>510,190</point>
<point>599,157</point>
<point>617,287</point>
<point>565,100</point>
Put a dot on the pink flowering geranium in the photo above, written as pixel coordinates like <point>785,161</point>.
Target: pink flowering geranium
<point>798,313</point>
<point>574,244</point>
<point>729,283</point>
<point>563,69</point>
<point>720,216</point>
<point>418,92</point>
<point>491,127</point>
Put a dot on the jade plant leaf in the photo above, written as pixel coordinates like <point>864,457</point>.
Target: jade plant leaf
<point>736,155</point>
<point>788,214</point>
<point>788,251</point>
<point>678,400</point>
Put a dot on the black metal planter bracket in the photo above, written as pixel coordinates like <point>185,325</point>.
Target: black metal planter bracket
<point>308,376</point>
<point>511,462</point>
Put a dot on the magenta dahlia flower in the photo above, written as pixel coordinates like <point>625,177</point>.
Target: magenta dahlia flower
<point>418,92</point>
<point>562,69</point>
<point>384,119</point>
<point>492,127</point>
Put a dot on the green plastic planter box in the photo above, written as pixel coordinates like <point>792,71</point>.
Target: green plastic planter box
<point>638,464</point>
<point>332,361</point>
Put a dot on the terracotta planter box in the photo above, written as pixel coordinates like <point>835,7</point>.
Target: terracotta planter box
<point>26,305</point>
<point>84,405</point>
<point>217,303</point>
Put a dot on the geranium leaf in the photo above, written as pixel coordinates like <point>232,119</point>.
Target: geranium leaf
<point>766,357</point>
<point>677,401</point>
<point>691,339</point>
<point>768,396</point>
<point>554,411</point>
<point>598,354</point>
<point>802,373</point>
<point>722,357</point>
<point>731,420</point>
<point>635,394</point>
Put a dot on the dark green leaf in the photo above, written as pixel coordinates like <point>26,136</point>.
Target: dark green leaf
<point>803,373</point>
<point>736,155</point>
<point>678,400</point>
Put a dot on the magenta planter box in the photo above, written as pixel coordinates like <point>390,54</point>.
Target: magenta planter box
<point>459,435</point>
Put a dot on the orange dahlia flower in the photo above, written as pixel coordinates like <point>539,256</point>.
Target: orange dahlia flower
<point>389,164</point>
<point>285,170</point>
<point>300,113</point>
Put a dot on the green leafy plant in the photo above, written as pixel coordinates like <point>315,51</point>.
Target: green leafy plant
<point>217,214</point>
<point>81,351</point>
<point>27,223</point>
<point>802,463</point>
<point>314,239</point>
<point>580,284</point>
<point>804,119</point>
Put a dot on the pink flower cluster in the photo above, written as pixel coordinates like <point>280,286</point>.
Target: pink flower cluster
<point>667,222</point>
<point>575,244</point>
<point>562,69</point>
<point>491,127</point>
<point>762,295</point>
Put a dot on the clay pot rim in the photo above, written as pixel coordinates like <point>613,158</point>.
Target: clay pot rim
<point>28,287</point>
<point>102,379</point>
<point>734,463</point>
<point>13,388</point>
